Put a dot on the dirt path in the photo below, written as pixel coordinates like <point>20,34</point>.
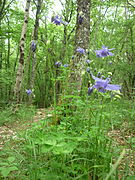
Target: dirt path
<point>122,139</point>
<point>10,131</point>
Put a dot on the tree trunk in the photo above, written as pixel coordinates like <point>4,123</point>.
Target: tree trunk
<point>1,45</point>
<point>81,40</point>
<point>20,70</point>
<point>35,38</point>
<point>8,51</point>
<point>2,8</point>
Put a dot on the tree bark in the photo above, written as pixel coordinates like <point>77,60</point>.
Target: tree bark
<point>20,70</point>
<point>82,39</point>
<point>3,3</point>
<point>35,38</point>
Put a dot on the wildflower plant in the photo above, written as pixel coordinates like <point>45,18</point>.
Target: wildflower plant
<point>58,20</point>
<point>100,83</point>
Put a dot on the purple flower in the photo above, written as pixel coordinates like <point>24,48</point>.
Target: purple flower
<point>58,64</point>
<point>28,91</point>
<point>88,61</point>
<point>80,50</point>
<point>88,70</point>
<point>80,19</point>
<point>33,46</point>
<point>58,20</point>
<point>102,77</point>
<point>90,90</point>
<point>104,52</point>
<point>103,85</point>
<point>73,57</point>
<point>65,65</point>
<point>110,63</point>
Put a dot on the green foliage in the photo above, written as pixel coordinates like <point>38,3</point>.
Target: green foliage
<point>111,25</point>
<point>80,147</point>
<point>8,166</point>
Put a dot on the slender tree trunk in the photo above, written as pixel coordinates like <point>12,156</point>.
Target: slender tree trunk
<point>2,3</point>
<point>0,46</point>
<point>82,38</point>
<point>20,70</point>
<point>35,38</point>
<point>8,51</point>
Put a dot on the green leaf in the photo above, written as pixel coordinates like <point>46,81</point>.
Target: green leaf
<point>46,148</point>
<point>13,168</point>
<point>64,148</point>
<point>4,164</point>
<point>11,159</point>
<point>130,178</point>
<point>81,138</point>
<point>5,172</point>
<point>51,142</point>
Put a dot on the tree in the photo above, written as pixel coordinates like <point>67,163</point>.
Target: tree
<point>82,38</point>
<point>20,70</point>
<point>34,44</point>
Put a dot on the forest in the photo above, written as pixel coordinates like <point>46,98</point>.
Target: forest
<point>67,90</point>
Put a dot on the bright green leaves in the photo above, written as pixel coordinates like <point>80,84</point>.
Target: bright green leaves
<point>8,166</point>
<point>55,143</point>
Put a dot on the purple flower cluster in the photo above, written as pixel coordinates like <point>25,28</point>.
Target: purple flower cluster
<point>102,84</point>
<point>104,52</point>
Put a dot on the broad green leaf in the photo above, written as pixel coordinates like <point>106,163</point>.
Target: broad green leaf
<point>130,178</point>
<point>64,148</point>
<point>4,164</point>
<point>46,148</point>
<point>5,172</point>
<point>13,168</point>
<point>51,142</point>
<point>11,159</point>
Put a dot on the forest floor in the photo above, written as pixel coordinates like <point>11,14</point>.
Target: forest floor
<point>119,136</point>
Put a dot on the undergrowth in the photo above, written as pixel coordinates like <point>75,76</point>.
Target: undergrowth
<point>24,113</point>
<point>78,148</point>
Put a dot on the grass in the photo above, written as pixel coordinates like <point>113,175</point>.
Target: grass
<point>84,145</point>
